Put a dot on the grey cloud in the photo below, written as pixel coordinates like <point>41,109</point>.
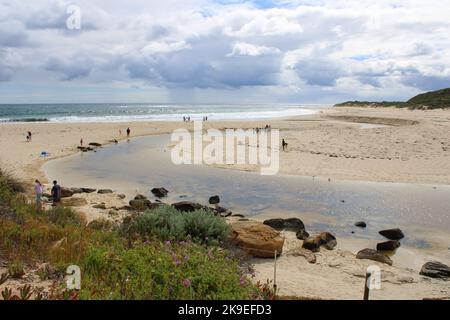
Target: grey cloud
<point>70,70</point>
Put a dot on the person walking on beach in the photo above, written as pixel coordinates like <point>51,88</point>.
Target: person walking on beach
<point>38,190</point>
<point>128,132</point>
<point>56,193</point>
<point>81,142</point>
<point>284,144</point>
<point>29,135</point>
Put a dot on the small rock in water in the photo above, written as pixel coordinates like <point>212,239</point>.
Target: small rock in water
<point>187,206</point>
<point>160,192</point>
<point>361,224</point>
<point>374,255</point>
<point>388,245</point>
<point>436,269</point>
<point>214,200</point>
<point>393,234</point>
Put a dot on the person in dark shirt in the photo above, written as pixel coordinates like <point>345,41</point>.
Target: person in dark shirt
<point>284,144</point>
<point>56,193</point>
<point>128,132</point>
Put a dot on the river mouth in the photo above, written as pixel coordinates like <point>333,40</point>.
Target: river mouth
<point>137,166</point>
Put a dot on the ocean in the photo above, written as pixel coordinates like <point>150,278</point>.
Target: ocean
<point>146,112</point>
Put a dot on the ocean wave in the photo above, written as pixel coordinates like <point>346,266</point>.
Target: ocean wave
<point>25,120</point>
<point>241,115</point>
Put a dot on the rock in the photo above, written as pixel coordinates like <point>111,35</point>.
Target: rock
<point>74,202</point>
<point>141,205</point>
<point>307,254</point>
<point>95,144</point>
<point>238,215</point>
<point>302,235</point>
<point>104,191</point>
<point>88,190</point>
<point>257,239</point>
<point>293,224</point>
<point>121,196</point>
<point>140,197</point>
<point>187,206</point>
<point>277,224</point>
<point>76,190</point>
<point>436,269</point>
<point>160,192</point>
<point>312,244</point>
<point>101,206</point>
<point>214,200</point>
<point>392,234</point>
<point>390,245</point>
<point>66,193</point>
<point>328,240</point>
<point>361,224</point>
<point>223,212</point>
<point>374,255</point>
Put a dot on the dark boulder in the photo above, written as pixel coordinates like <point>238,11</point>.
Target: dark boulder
<point>361,224</point>
<point>223,212</point>
<point>140,197</point>
<point>187,206</point>
<point>390,245</point>
<point>302,235</point>
<point>436,269</point>
<point>374,255</point>
<point>312,244</point>
<point>95,144</point>
<point>160,192</point>
<point>88,190</point>
<point>294,224</point>
<point>277,224</point>
<point>392,234</point>
<point>214,200</point>
<point>141,205</point>
<point>104,191</point>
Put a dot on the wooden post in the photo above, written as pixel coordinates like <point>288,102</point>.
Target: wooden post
<point>275,273</point>
<point>366,286</point>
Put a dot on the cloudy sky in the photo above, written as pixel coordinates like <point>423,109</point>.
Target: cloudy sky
<point>222,51</point>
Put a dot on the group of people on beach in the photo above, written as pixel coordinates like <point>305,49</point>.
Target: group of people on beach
<point>39,191</point>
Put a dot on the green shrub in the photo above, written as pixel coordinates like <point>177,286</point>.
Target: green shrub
<point>63,216</point>
<point>166,223</point>
<point>16,269</point>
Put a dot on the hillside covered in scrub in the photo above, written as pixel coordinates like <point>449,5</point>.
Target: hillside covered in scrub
<point>439,99</point>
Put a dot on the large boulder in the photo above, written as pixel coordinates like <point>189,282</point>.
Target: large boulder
<point>374,255</point>
<point>257,239</point>
<point>293,224</point>
<point>390,245</point>
<point>436,269</point>
<point>277,224</point>
<point>160,192</point>
<point>187,206</point>
<point>392,234</point>
<point>214,200</point>
<point>140,197</point>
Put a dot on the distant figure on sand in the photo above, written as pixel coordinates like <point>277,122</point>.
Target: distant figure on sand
<point>81,142</point>
<point>29,136</point>
<point>128,132</point>
<point>284,144</point>
<point>56,193</point>
<point>38,190</point>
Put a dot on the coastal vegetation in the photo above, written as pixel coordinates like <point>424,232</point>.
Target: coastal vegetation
<point>162,254</point>
<point>439,99</point>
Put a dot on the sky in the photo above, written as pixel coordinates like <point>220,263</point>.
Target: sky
<point>222,51</point>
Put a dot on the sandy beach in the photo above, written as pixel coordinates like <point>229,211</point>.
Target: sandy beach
<point>367,144</point>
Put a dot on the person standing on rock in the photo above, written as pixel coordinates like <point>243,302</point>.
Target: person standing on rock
<point>56,193</point>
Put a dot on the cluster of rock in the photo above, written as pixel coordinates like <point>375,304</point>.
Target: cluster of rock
<point>91,147</point>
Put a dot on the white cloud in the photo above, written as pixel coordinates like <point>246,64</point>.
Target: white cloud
<point>299,50</point>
